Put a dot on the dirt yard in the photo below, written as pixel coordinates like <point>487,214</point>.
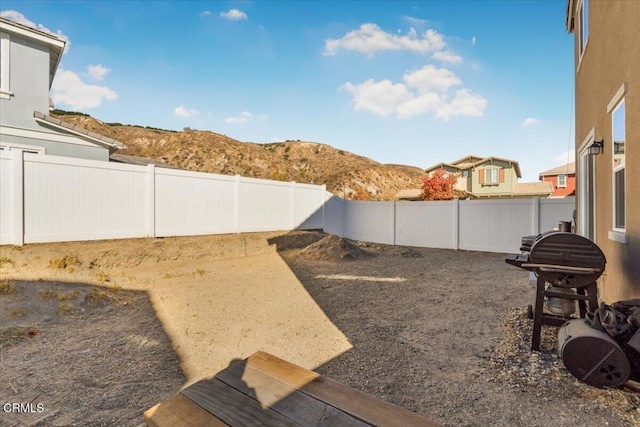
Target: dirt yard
<point>94,333</point>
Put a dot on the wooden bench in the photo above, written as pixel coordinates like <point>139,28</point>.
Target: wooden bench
<point>264,390</point>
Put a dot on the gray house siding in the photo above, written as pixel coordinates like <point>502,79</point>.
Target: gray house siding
<point>29,68</point>
<point>28,82</point>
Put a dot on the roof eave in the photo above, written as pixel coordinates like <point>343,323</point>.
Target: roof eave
<point>569,22</point>
<point>93,137</point>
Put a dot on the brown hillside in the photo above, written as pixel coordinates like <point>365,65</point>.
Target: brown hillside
<point>345,174</point>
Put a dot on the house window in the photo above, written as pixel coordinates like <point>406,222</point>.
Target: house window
<point>562,181</point>
<point>465,174</point>
<point>583,25</point>
<point>618,166</point>
<point>4,66</point>
<point>491,176</point>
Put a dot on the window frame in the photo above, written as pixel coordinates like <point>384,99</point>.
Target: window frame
<point>562,181</point>
<point>616,169</point>
<point>582,12</point>
<point>488,175</point>
<point>5,68</point>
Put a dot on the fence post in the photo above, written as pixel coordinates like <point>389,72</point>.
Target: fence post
<point>17,184</point>
<point>323,201</point>
<point>395,219</point>
<point>293,205</point>
<point>535,222</point>
<point>151,200</point>
<point>236,203</point>
<point>456,223</point>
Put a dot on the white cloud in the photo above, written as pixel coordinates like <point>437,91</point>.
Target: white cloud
<point>204,13</point>
<point>530,121</point>
<point>423,91</point>
<point>240,118</point>
<point>465,103</point>
<point>185,112</point>
<point>69,89</point>
<point>381,97</point>
<point>97,72</point>
<point>369,39</point>
<point>415,21</point>
<point>565,157</point>
<point>234,15</point>
<point>21,19</point>
<point>430,78</point>
<point>446,56</point>
<point>473,40</point>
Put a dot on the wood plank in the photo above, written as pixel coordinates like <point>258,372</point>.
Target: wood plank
<point>285,399</point>
<point>361,405</point>
<point>180,411</point>
<point>232,406</point>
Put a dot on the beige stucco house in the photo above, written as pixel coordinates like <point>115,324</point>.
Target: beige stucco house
<point>607,87</point>
<point>484,177</point>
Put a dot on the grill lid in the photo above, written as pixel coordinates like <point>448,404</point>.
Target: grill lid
<point>567,259</point>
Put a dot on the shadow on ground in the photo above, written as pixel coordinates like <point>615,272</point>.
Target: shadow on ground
<point>87,354</point>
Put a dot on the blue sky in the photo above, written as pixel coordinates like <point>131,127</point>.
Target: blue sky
<point>409,82</point>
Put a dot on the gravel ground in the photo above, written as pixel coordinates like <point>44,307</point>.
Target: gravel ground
<point>441,333</point>
<point>449,338</point>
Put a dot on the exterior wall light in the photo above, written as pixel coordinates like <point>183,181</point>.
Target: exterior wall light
<point>596,147</point>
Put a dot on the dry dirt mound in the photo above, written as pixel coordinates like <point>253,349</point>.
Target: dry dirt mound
<point>333,248</point>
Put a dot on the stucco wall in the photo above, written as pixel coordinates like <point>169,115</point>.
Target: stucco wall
<point>507,186</point>
<point>569,190</point>
<point>611,58</point>
<point>28,81</point>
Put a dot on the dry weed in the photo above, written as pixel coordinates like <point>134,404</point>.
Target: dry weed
<point>21,312</point>
<point>7,287</point>
<point>48,294</point>
<point>65,308</point>
<point>66,261</point>
<point>4,260</point>
<point>15,334</point>
<point>69,296</point>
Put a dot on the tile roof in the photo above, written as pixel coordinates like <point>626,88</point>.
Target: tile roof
<point>141,161</point>
<point>78,130</point>
<point>569,168</point>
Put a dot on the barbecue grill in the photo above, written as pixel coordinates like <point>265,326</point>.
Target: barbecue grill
<point>565,260</point>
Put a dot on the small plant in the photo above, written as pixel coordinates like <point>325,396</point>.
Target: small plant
<point>15,334</point>
<point>341,152</point>
<point>7,287</point>
<point>69,296</point>
<point>102,276</point>
<point>199,272</point>
<point>65,308</point>
<point>21,312</point>
<point>96,296</point>
<point>5,260</point>
<point>64,262</point>
<point>47,294</point>
<point>287,149</point>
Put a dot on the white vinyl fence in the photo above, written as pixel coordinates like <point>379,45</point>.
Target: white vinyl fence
<point>49,199</point>
<point>489,225</point>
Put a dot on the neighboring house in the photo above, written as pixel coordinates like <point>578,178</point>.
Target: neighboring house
<point>562,179</point>
<point>607,79</point>
<point>29,59</point>
<point>483,177</point>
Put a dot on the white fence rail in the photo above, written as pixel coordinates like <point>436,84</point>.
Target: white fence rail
<point>48,199</point>
<point>489,225</point>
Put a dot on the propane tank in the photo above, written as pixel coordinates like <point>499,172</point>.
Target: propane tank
<point>561,306</point>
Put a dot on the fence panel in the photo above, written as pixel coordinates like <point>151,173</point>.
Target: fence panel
<point>553,211</point>
<point>70,199</point>
<point>265,205</point>
<point>192,203</point>
<point>426,224</point>
<point>495,225</point>
<point>334,215</point>
<point>307,206</point>
<point>6,193</point>
<point>370,221</point>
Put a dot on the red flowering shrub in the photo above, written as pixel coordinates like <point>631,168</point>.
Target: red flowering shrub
<point>439,186</point>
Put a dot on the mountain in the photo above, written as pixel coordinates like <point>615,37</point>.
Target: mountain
<point>345,174</point>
